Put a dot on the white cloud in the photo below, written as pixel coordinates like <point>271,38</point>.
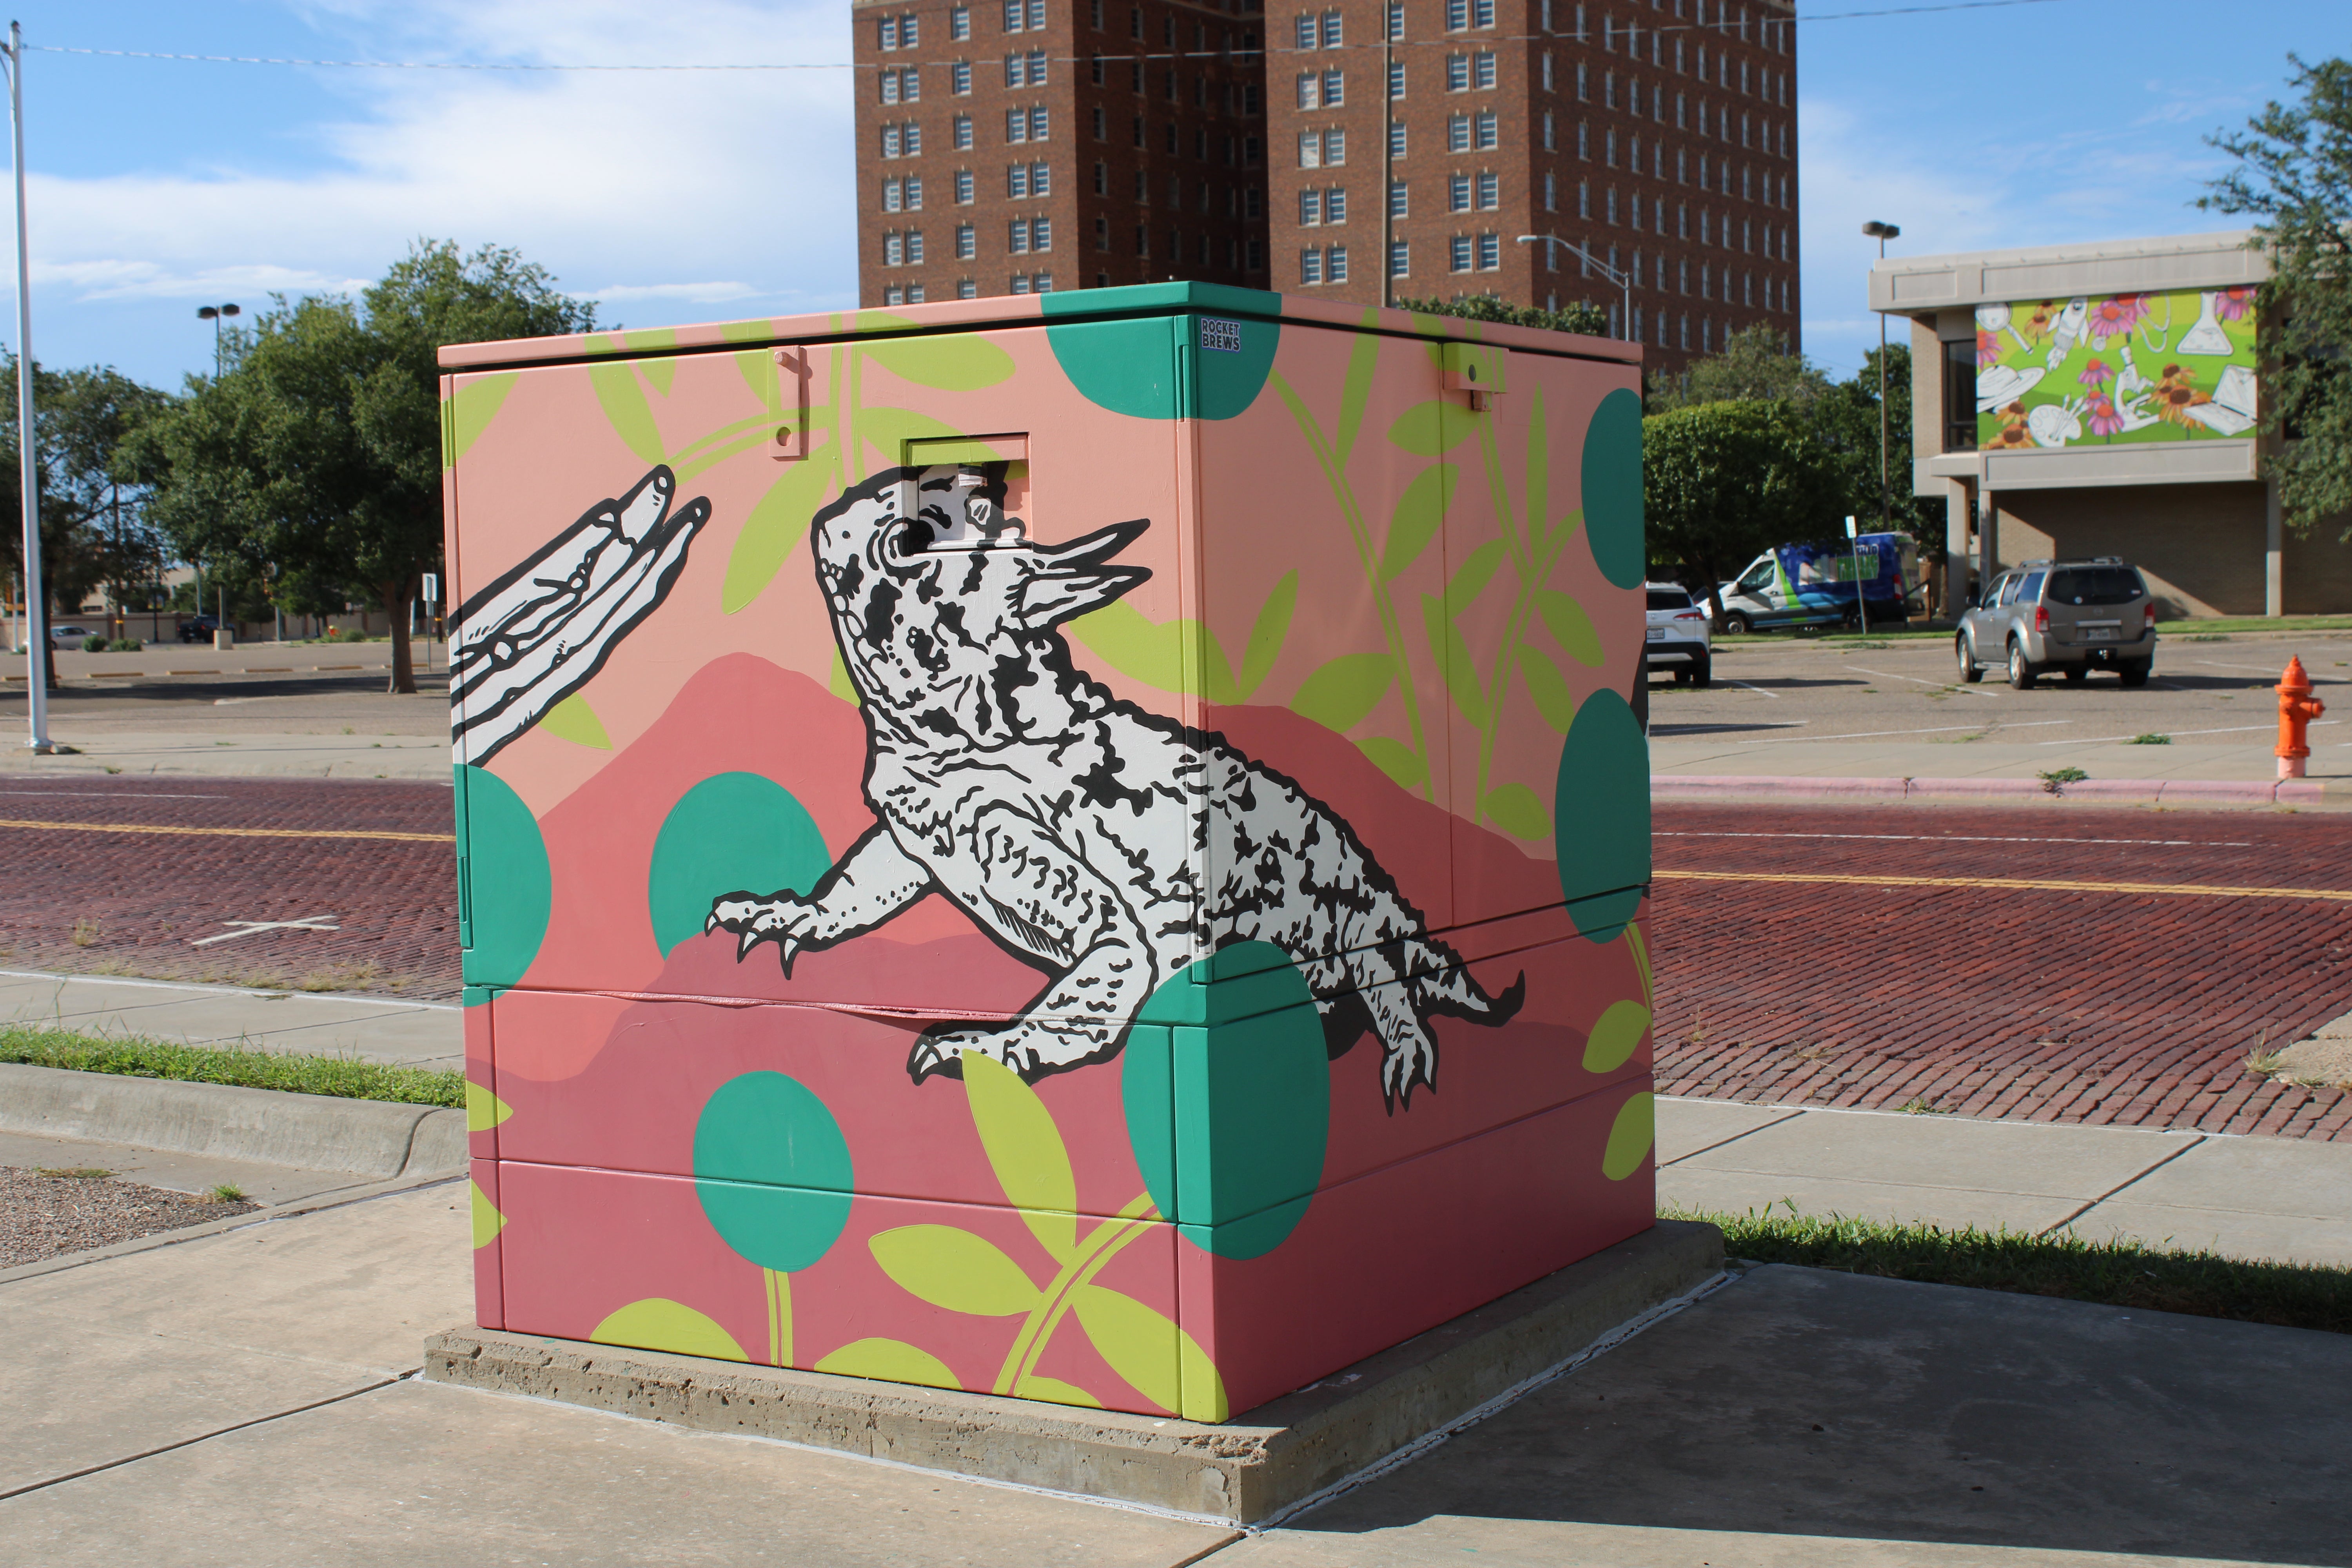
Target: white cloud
<point>662,181</point>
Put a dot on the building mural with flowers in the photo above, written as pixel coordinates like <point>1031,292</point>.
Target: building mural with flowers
<point>2105,399</point>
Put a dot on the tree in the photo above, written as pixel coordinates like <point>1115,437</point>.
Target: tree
<point>1754,367</point>
<point>2294,171</point>
<point>1844,417</point>
<point>1583,316</point>
<point>315,460</point>
<point>82,421</point>
<point>1722,480</point>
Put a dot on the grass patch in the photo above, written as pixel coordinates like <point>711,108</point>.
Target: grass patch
<point>2117,1273</point>
<point>2151,739</point>
<point>342,1077</point>
<point>2225,624</point>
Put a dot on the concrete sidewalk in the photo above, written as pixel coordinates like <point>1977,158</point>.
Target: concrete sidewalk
<point>1732,766</point>
<point>243,754</point>
<point>373,1028</point>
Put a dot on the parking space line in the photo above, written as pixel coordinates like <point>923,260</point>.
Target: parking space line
<point>2258,669</point>
<point>2012,884</point>
<point>1890,675</point>
<point>2230,729</point>
<point>1934,730</point>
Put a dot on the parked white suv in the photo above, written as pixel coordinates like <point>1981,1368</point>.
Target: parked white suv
<point>1677,635</point>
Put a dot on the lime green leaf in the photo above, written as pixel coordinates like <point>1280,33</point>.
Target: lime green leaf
<point>1554,700</point>
<point>1571,627</point>
<point>1342,694</point>
<point>476,402</point>
<point>1396,759</point>
<point>894,1361</point>
<point>772,527</point>
<point>960,364</point>
<point>1266,634</point>
<point>1363,357</point>
<point>1205,1390</point>
<point>658,1324</point>
<point>573,720</point>
<point>1155,652</point>
<point>955,1270</point>
<point>1420,511</point>
<point>1539,469</point>
<point>1616,1037</point>
<point>484,1109</point>
<point>1026,1149</point>
<point>1451,652</point>
<point>1629,1137</point>
<point>1139,1341</point>
<point>625,408</point>
<point>1515,808</point>
<point>644,340</point>
<point>1471,580</point>
<point>715,455</point>
<point>1635,940</point>
<point>1428,428</point>
<point>881,321</point>
<point>1054,1391</point>
<point>488,1220</point>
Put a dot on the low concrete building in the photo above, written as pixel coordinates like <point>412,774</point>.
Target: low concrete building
<point>2102,400</point>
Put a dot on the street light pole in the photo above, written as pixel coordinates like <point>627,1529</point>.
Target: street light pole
<point>1883,232</point>
<point>28,470</point>
<point>217,314</point>
<point>1625,280</point>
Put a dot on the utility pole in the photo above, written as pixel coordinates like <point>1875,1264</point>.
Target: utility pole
<point>1625,280</point>
<point>29,469</point>
<point>1883,232</point>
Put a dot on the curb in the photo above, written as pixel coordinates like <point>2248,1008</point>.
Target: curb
<point>270,1127</point>
<point>2132,791</point>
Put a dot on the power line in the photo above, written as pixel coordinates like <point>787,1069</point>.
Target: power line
<point>1066,59</point>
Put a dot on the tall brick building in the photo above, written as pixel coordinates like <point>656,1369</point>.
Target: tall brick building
<point>1362,149</point>
<point>1019,146</point>
<point>1660,135</point>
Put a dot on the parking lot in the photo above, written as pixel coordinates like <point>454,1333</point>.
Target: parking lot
<point>2212,693</point>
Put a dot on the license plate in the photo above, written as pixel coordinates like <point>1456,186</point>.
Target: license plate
<point>1657,634</point>
<point>2102,634</point>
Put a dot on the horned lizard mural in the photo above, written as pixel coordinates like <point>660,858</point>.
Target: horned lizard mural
<point>1006,779</point>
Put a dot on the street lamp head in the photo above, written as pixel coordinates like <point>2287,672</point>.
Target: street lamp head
<point>232,309</point>
<point>1529,238</point>
<point>206,313</point>
<point>1877,230</point>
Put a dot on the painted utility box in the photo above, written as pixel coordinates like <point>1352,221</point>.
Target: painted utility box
<point>1089,847</point>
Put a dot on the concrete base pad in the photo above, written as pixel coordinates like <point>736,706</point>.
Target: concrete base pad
<point>1246,1469</point>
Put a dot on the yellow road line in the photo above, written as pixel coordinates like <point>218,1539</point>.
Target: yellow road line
<point>230,832</point>
<point>2040,884</point>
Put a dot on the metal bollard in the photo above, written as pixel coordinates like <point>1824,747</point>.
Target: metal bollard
<point>2297,709</point>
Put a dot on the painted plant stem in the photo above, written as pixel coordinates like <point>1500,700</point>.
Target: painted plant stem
<point>1102,1243</point>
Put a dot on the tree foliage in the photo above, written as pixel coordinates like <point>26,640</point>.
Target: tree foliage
<point>314,462</point>
<point>1723,480</point>
<point>2295,172</point>
<point>1583,316</point>
<point>1754,367</point>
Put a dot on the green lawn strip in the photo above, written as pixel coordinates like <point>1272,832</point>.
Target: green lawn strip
<point>2255,624</point>
<point>132,1057</point>
<point>2117,1273</point>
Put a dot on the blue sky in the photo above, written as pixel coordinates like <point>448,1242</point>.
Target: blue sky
<point>160,185</point>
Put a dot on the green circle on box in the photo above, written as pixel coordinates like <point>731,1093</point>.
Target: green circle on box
<point>732,833</point>
<point>773,1170</point>
<point>1601,802</point>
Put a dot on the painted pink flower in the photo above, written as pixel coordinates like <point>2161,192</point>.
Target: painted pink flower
<point>1988,349</point>
<point>2113,318</point>
<point>2098,373</point>
<point>2233,305</point>
<point>2105,420</point>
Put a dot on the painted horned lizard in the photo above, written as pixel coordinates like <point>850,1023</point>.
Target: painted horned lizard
<point>1106,844</point>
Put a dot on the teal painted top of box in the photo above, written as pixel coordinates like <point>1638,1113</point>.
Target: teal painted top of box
<point>1135,302</point>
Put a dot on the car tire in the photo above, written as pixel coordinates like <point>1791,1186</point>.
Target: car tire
<point>2135,671</point>
<point>2022,672</point>
<point>1682,675</point>
<point>1967,660</point>
<point>1736,624</point>
<point>1702,672</point>
<point>2077,673</point>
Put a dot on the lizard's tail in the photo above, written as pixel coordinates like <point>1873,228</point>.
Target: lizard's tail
<point>1452,991</point>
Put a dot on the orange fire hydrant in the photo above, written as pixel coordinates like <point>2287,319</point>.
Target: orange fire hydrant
<point>2297,708</point>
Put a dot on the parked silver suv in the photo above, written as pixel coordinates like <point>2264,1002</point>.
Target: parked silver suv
<point>2067,617</point>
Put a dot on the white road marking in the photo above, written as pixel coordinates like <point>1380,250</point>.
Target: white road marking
<point>1890,675</point>
<point>2231,730</point>
<point>255,928</point>
<point>103,795</point>
<point>1970,838</point>
<point>342,997</point>
<point>1936,730</point>
<point>1774,694</point>
<point>2260,669</point>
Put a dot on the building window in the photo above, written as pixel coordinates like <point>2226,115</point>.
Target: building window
<point>1310,265</point>
<point>1482,69</point>
<point>959,78</point>
<point>1102,178</point>
<point>963,133</point>
<point>967,290</point>
<point>894,295</point>
<point>960,24</point>
<point>1486,129</point>
<point>1016,125</point>
<point>1017,237</point>
<point>967,244</point>
<point>1037,123</point>
<point>1398,205</point>
<point>1583,140</point>
<point>1335,205</point>
<point>894,142</point>
<point>1584,198</point>
<point>1457,14</point>
<point>914,247</point>
<point>963,188</point>
<point>1490,252</point>
<point>1311,149</point>
<point>1020,284</point>
<point>1547,70</point>
<point>1311,89</point>
<point>1335,89</point>
<point>1460,253</point>
<point>1041,234</point>
<point>1551,193</point>
<point>914,194</point>
<point>1335,263</point>
<point>1396,138</point>
<point>1102,234</point>
<point>1041,283</point>
<point>1489,192</point>
<point>1310,208</point>
<point>1550,141</point>
<point>1457,192</point>
<point>1682,220</point>
<point>891,189</point>
<point>1584,84</point>
<point>1016,181</point>
<point>1400,259</point>
<point>1457,73</point>
<point>893,249</point>
<point>1609,149</point>
<point>1457,133</point>
<point>1396,78</point>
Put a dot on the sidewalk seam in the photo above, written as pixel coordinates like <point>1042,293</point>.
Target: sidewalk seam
<point>1721,1142</point>
<point>2140,1176</point>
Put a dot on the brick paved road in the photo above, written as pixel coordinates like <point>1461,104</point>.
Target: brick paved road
<point>137,902</point>
<point>2125,1007</point>
<point>2131,1007</point>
